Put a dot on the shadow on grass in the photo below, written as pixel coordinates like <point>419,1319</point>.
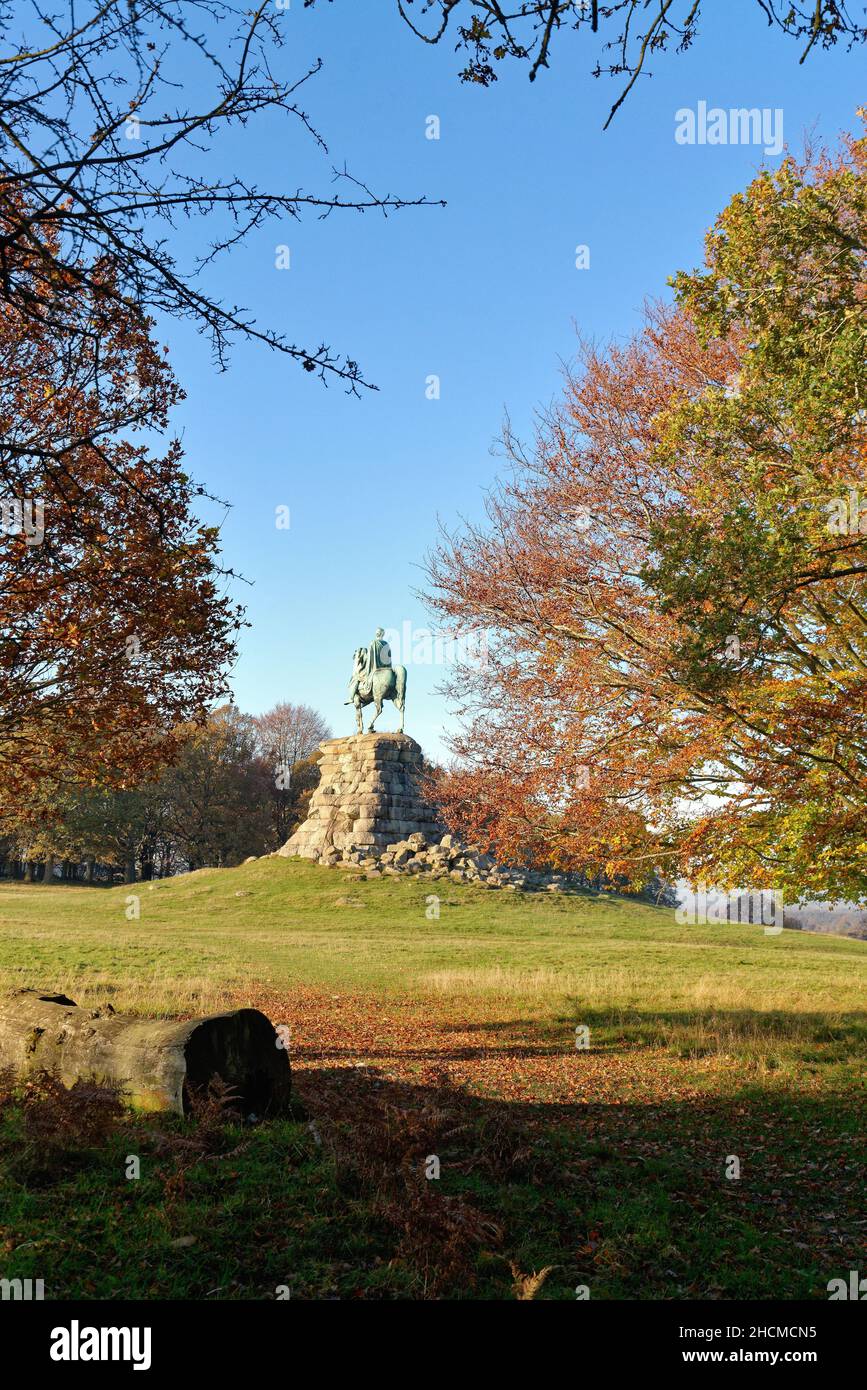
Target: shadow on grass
<point>754,1195</point>
<point>377,1188</point>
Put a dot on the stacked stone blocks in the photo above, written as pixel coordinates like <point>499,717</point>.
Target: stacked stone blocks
<point>369,795</point>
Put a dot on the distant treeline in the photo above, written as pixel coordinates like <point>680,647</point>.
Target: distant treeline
<point>238,786</point>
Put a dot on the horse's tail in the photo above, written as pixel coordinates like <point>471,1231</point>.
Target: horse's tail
<point>399,686</point>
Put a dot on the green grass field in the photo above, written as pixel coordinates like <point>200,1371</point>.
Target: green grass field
<point>417,1037</point>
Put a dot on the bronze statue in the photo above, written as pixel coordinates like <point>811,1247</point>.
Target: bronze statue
<point>374,679</point>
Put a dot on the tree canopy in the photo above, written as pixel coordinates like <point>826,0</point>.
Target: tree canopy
<point>116,626</point>
<point>674,575</point>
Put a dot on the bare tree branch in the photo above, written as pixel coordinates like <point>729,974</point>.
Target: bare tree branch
<point>100,144</point>
<point>489,31</point>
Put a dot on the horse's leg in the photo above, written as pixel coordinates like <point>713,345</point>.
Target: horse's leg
<point>399,696</point>
<point>359,722</point>
<point>398,704</point>
<point>392,692</point>
<point>376,716</point>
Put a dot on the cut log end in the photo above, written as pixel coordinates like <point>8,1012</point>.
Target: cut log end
<point>241,1048</point>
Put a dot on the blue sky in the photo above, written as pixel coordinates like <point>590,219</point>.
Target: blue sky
<point>483,293</point>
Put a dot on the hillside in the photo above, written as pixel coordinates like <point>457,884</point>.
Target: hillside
<point>275,922</point>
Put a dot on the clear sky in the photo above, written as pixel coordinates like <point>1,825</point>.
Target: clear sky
<point>483,293</point>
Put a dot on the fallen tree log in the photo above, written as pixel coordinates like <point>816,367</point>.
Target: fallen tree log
<point>159,1063</point>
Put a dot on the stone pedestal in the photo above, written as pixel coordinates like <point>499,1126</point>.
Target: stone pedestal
<point>369,794</point>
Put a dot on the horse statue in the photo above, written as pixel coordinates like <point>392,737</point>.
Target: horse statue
<point>371,687</point>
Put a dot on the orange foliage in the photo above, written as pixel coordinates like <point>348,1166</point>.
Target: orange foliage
<point>112,629</point>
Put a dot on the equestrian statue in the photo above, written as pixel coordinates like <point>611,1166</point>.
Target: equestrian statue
<point>374,679</point>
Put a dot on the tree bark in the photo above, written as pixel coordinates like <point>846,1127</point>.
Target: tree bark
<point>159,1062</point>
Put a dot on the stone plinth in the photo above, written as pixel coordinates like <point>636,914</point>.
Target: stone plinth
<point>368,795</point>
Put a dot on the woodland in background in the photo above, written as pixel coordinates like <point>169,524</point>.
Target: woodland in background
<point>237,787</point>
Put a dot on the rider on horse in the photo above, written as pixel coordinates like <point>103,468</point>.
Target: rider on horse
<point>378,656</point>
<point>374,679</point>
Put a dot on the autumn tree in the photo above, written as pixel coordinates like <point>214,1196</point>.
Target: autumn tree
<point>764,563</point>
<point>87,826</point>
<point>216,794</point>
<point>676,662</point>
<point>225,796</point>
<point>115,626</point>
<point>575,732</point>
<point>288,736</point>
<point>288,733</point>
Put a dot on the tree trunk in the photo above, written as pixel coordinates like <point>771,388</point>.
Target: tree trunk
<point>159,1062</point>
<point>88,877</point>
<point>49,869</point>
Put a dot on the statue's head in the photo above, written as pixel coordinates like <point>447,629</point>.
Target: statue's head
<point>380,632</point>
